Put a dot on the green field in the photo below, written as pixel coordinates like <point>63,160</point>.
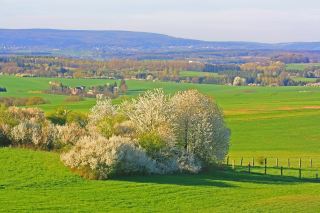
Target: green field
<point>268,122</point>
<point>197,74</point>
<point>300,67</point>
<point>307,80</point>
<point>37,181</point>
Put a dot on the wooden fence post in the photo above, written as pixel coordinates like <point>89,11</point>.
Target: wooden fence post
<point>300,164</point>
<point>310,162</point>
<point>289,163</point>
<point>241,161</point>
<point>234,165</point>
<point>228,160</point>
<point>317,176</point>
<point>249,168</point>
<point>253,162</point>
<point>265,166</point>
<point>281,170</point>
<point>299,173</point>
<point>277,162</point>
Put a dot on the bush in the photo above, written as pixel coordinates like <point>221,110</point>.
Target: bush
<point>110,125</point>
<point>34,134</point>
<point>78,118</point>
<point>69,134</point>
<point>59,116</point>
<point>4,135</point>
<point>13,101</point>
<point>35,101</point>
<point>72,99</point>
<point>6,118</point>
<point>26,114</point>
<point>151,142</point>
<point>64,116</point>
<point>100,158</point>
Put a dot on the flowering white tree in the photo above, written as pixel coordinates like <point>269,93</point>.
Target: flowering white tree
<point>199,126</point>
<point>102,109</point>
<point>70,134</point>
<point>151,112</point>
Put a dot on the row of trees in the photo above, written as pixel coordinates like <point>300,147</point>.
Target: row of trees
<point>14,101</point>
<point>152,134</point>
<point>264,72</point>
<point>66,67</point>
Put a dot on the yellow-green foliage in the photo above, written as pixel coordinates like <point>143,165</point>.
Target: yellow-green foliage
<point>74,99</point>
<point>108,125</point>
<point>151,142</point>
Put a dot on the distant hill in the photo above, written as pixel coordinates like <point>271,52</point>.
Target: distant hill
<point>113,43</point>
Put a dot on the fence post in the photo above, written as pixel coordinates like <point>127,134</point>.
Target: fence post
<point>241,161</point>
<point>234,165</point>
<point>253,162</point>
<point>228,160</point>
<point>300,164</point>
<point>289,163</point>
<point>249,168</point>
<point>277,162</point>
<point>317,176</point>
<point>281,170</point>
<point>310,162</point>
<point>265,166</point>
<point>299,173</point>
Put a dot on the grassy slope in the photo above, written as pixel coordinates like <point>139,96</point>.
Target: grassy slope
<point>299,66</point>
<point>274,122</point>
<point>307,80</point>
<point>37,181</point>
<point>197,74</point>
<point>286,117</point>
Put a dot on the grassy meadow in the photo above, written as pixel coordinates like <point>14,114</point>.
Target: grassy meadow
<point>197,74</point>
<point>273,122</point>
<point>300,67</point>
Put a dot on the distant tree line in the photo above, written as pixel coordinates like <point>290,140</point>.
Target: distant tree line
<point>291,58</point>
<point>263,72</point>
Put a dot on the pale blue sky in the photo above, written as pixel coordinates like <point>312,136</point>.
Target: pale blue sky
<point>215,20</point>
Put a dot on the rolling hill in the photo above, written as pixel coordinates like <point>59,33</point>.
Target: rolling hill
<point>106,44</point>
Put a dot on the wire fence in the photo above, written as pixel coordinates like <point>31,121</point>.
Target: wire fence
<point>294,166</point>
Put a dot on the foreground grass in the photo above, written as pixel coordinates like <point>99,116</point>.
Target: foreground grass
<point>37,181</point>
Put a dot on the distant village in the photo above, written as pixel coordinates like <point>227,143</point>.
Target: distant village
<point>108,90</point>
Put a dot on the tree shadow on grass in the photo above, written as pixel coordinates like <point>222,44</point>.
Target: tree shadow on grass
<point>178,179</point>
<point>218,177</point>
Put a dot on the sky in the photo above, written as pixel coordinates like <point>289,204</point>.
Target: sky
<point>213,20</point>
